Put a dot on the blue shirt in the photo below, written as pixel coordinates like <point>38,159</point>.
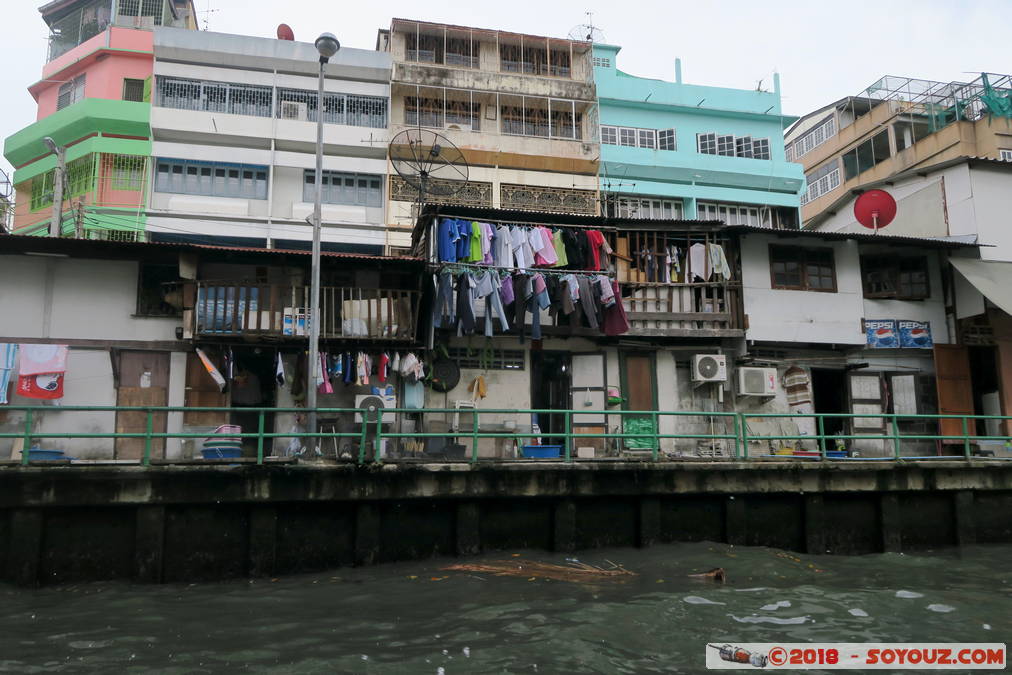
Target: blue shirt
<point>464,239</point>
<point>447,236</point>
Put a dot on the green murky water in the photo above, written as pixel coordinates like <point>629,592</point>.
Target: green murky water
<point>417,618</point>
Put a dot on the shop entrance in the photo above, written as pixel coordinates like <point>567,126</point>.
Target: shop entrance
<point>829,391</point>
<point>984,375</point>
<point>551,381</point>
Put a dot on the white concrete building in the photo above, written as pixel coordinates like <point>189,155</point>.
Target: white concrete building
<point>233,125</point>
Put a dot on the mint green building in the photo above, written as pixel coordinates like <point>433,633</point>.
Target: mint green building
<point>675,150</point>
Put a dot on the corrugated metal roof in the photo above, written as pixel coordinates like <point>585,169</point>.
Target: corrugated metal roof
<point>936,242</point>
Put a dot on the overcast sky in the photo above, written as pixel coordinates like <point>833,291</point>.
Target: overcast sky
<point>823,50</point>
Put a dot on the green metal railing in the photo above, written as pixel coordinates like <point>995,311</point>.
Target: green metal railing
<point>729,430</point>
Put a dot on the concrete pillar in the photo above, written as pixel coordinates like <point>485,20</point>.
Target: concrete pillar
<point>367,534</point>
<point>649,525</point>
<point>468,529</point>
<point>966,526</point>
<point>263,540</point>
<point>890,525</point>
<point>24,549</point>
<point>815,530</point>
<point>689,208</point>
<point>734,520</point>
<point>564,527</point>
<point>149,544</point>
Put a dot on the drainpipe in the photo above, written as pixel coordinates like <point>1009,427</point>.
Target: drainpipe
<point>678,71</point>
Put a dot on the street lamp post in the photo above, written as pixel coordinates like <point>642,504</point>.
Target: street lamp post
<point>59,175</point>
<point>327,45</point>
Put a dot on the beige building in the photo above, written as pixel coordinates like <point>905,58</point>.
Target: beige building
<point>896,125</point>
<point>522,109</point>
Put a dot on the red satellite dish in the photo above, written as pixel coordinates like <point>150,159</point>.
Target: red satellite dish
<point>875,209</point>
<point>285,32</point>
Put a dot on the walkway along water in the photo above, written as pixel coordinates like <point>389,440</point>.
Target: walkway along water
<point>174,520</point>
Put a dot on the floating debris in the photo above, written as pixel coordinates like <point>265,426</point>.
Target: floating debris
<point>531,570</point>
<point>717,574</point>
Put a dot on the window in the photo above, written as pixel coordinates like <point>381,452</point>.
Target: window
<point>654,208</point>
<point>707,143</point>
<point>492,358</point>
<point>127,172</point>
<point>79,179</point>
<point>814,138</point>
<point>349,109</point>
<point>70,92</point>
<point>822,181</point>
<point>866,155</point>
<point>632,137</point>
<point>728,145</point>
<point>1005,155</point>
<point>139,13</point>
<point>534,60</point>
<point>223,97</point>
<point>81,24</point>
<point>153,281</point>
<point>133,90</point>
<point>666,139</point>
<point>733,214</point>
<point>601,61</point>
<point>431,112</point>
<point>556,123</point>
<point>903,278</point>
<point>441,49</point>
<point>213,179</point>
<point>42,191</point>
<point>349,189</point>
<point>802,269</point>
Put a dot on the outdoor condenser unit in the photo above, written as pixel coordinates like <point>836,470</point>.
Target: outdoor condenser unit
<point>757,381</point>
<point>709,368</point>
<point>372,404</point>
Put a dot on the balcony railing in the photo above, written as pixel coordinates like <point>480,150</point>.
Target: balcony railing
<point>264,310</point>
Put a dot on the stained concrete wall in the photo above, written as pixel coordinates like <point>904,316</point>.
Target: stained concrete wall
<point>181,524</point>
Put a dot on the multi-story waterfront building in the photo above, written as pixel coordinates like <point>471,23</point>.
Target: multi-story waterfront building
<point>94,103</point>
<point>895,125</point>
<point>521,108</point>
<point>234,142</point>
<point>677,150</point>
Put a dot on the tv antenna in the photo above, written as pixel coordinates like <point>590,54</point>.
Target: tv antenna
<point>587,32</point>
<point>207,14</point>
<point>429,163</point>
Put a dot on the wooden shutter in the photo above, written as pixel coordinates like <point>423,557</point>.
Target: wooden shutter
<point>955,390</point>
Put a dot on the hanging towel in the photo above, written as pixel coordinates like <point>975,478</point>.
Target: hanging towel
<point>324,386</point>
<point>8,358</point>
<point>697,263</point>
<point>211,369</point>
<point>279,370</point>
<point>381,371</point>
<point>478,388</point>
<point>396,365</point>
<point>39,359</point>
<point>718,261</point>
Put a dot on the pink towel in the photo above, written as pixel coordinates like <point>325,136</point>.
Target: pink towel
<point>41,359</point>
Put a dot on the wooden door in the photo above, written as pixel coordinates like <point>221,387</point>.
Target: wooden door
<point>202,392</point>
<point>955,388</point>
<point>639,391</point>
<point>143,381</point>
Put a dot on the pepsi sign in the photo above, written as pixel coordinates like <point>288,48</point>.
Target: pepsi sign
<point>881,333</point>
<point>915,334</point>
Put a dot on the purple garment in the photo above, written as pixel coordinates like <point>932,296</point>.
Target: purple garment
<point>489,234</point>
<point>506,289</point>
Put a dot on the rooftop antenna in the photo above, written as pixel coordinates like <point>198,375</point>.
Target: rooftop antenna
<point>587,32</point>
<point>207,14</point>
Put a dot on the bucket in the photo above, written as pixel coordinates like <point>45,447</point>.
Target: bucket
<point>221,452</point>
<point>542,451</point>
<point>39,455</point>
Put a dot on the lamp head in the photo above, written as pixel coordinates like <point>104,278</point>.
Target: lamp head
<point>327,45</point>
<point>50,143</point>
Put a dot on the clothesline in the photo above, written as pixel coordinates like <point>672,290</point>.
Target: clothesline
<point>528,270</point>
<point>601,228</point>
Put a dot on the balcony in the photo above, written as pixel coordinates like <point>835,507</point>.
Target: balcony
<point>228,309</point>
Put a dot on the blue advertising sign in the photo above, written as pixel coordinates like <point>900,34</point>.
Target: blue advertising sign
<point>915,334</point>
<point>881,333</point>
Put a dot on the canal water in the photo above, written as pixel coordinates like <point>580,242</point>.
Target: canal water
<point>420,618</point>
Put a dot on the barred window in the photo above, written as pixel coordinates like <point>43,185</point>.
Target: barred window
<point>350,109</point>
<point>223,97</point>
<point>79,179</point>
<point>213,179</point>
<point>127,172</point>
<point>534,60</point>
<point>521,121</point>
<point>431,112</point>
<point>349,189</point>
<point>492,358</point>
<point>133,90</point>
<point>70,92</point>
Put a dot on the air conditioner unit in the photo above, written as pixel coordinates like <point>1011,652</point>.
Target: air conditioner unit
<point>459,127</point>
<point>370,406</point>
<point>757,381</point>
<point>709,368</point>
<point>294,110</point>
